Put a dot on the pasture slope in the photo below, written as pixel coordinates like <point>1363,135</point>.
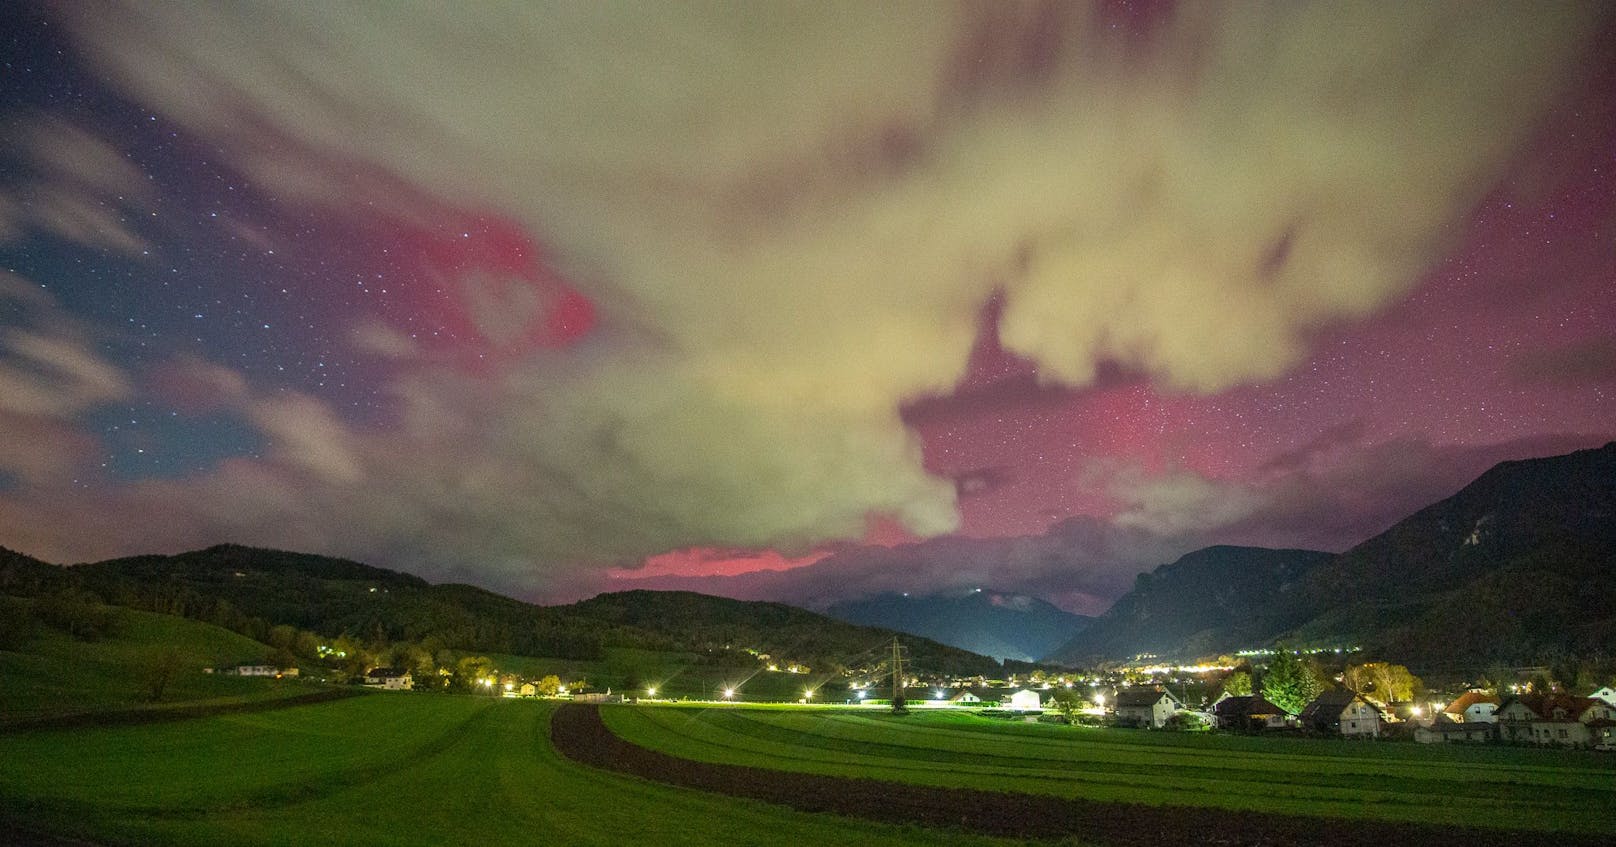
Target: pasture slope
<point>1348,789</point>
<point>394,769</point>
<point>51,676</point>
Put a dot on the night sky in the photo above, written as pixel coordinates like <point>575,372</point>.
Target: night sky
<point>564,299</point>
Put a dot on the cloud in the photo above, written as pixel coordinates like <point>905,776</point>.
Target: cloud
<point>789,219</point>
<point>49,367</point>
<point>50,372</point>
<point>1331,495</point>
<point>1588,361</point>
<point>68,182</point>
<point>1180,502</point>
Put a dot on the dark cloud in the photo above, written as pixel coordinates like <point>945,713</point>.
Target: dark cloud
<point>1582,363</point>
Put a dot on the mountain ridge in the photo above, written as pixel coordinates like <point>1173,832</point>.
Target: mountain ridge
<point>1519,563</point>
<point>253,589</point>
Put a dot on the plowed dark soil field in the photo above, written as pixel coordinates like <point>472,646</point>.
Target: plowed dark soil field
<point>578,732</point>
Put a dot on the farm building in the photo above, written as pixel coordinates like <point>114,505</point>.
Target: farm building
<point>1249,713</point>
<point>264,670</point>
<point>1025,701</point>
<point>1607,694</point>
<point>965,697</point>
<point>391,679</point>
<point>1147,707</point>
<point>1341,712</point>
<point>1449,732</point>
<point>1471,707</point>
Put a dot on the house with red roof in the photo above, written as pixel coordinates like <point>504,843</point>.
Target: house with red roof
<point>1472,707</point>
<point>1556,719</point>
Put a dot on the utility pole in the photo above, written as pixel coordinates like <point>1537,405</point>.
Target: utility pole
<point>898,706</point>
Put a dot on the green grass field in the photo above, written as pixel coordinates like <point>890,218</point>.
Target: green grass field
<point>379,769</point>
<point>52,674</point>
<point>1497,787</point>
<point>674,675</point>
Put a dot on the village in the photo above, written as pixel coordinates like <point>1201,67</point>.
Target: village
<point>1154,697</point>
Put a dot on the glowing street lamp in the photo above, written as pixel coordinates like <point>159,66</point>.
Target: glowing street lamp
<point>729,694</point>
<point>650,692</point>
<point>807,694</point>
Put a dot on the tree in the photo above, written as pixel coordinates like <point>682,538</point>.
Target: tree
<point>1237,684</point>
<point>1066,701</point>
<point>282,658</point>
<point>1381,681</point>
<point>16,626</point>
<point>1289,683</point>
<point>160,671</point>
<point>1186,721</point>
<point>549,686</point>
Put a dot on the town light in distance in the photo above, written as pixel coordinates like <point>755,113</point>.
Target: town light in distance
<point>650,692</point>
<point>729,693</point>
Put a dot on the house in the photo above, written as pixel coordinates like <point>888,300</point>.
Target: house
<point>1025,701</point>
<point>1557,719</point>
<point>1144,706</point>
<point>391,679</point>
<point>1451,732</point>
<point>964,697</point>
<point>1343,712</point>
<point>1248,713</point>
<point>527,690</point>
<point>1607,694</point>
<point>1471,707</point>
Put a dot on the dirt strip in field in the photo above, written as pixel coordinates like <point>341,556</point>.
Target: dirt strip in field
<point>136,717</point>
<point>579,733</point>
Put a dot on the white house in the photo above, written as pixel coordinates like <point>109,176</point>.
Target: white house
<point>1557,719</point>
<point>1472,707</point>
<point>1341,712</point>
<point>965,697</point>
<point>1145,706</point>
<point>391,679</point>
<point>1025,701</point>
<point>1606,694</point>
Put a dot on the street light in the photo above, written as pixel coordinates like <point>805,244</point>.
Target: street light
<point>729,693</point>
<point>650,692</point>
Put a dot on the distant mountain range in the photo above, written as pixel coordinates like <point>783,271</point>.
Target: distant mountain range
<point>249,590</point>
<point>1006,626</point>
<point>1519,565</point>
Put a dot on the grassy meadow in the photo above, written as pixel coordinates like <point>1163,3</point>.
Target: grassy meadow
<point>51,674</point>
<point>1542,790</point>
<point>392,769</point>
